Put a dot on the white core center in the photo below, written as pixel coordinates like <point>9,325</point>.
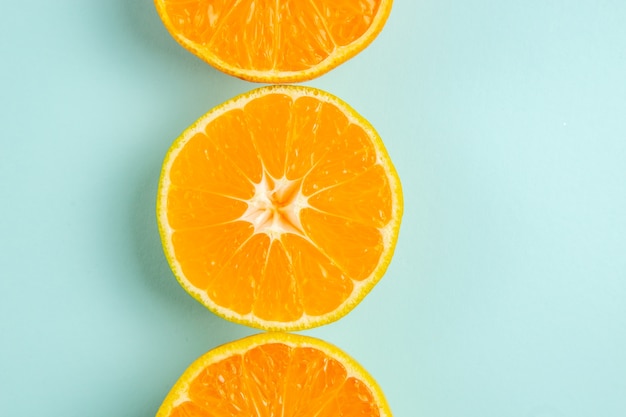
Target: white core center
<point>275,207</point>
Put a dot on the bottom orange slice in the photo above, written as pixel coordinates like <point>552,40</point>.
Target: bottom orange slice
<point>275,374</point>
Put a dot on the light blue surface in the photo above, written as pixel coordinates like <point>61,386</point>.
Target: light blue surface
<point>506,121</point>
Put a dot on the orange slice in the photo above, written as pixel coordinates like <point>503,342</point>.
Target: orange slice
<point>279,209</point>
<point>274,41</point>
<point>275,374</point>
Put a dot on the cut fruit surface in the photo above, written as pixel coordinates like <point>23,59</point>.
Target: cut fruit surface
<point>274,41</point>
<point>272,375</point>
<point>279,209</point>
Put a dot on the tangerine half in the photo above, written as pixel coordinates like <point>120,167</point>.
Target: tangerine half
<point>279,209</point>
<point>274,41</point>
<point>275,374</point>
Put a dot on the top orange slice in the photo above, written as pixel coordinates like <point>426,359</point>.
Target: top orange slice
<point>274,41</point>
<point>280,208</point>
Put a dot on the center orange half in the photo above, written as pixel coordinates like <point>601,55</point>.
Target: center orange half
<point>280,208</point>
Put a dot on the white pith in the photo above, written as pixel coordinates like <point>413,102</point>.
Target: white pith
<point>275,207</point>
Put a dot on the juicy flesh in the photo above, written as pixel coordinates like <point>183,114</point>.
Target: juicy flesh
<point>277,209</point>
<point>279,381</point>
<point>281,35</point>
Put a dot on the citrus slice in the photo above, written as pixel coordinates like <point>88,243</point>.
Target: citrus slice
<point>279,209</point>
<point>275,374</point>
<point>274,41</point>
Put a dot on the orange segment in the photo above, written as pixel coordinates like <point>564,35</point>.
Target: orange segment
<point>241,152</point>
<point>322,285</point>
<point>355,248</point>
<point>234,287</point>
<point>210,169</point>
<point>348,20</point>
<point>299,48</point>
<point>192,209</point>
<point>314,380</point>
<point>275,374</point>
<point>351,199</point>
<point>274,41</point>
<point>267,120</point>
<point>279,209</point>
<point>349,152</point>
<point>203,252</point>
<point>278,294</point>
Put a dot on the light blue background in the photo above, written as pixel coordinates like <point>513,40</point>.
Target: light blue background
<point>507,293</point>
